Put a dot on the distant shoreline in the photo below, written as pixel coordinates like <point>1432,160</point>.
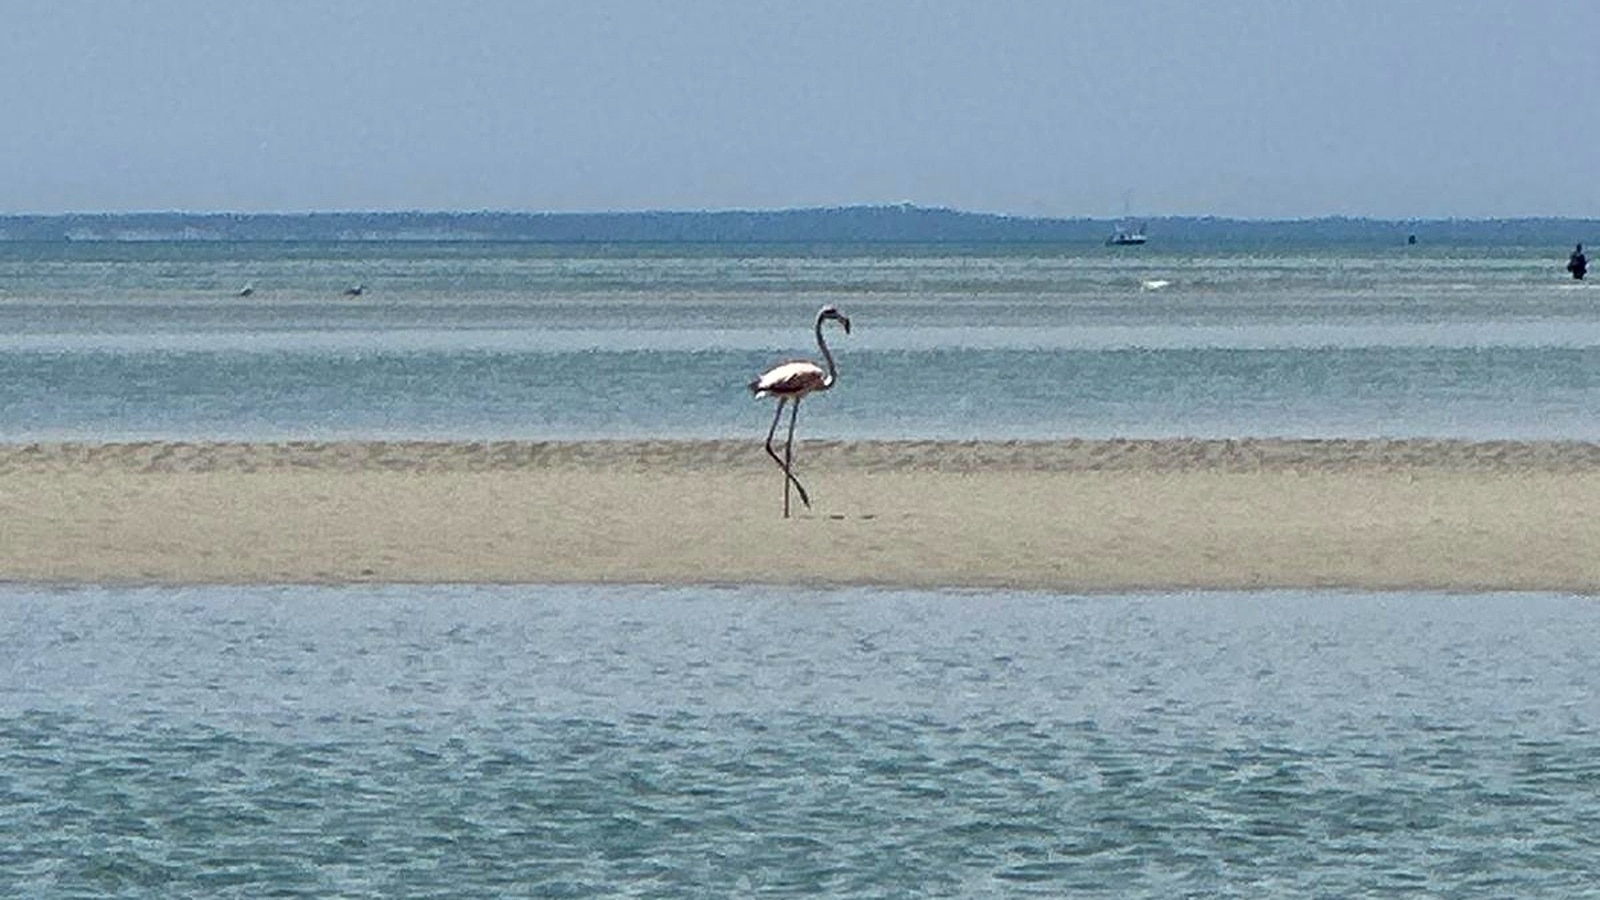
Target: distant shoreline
<point>850,224</point>
<point>1069,516</point>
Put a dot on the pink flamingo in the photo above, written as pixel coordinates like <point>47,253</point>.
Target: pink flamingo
<point>790,382</point>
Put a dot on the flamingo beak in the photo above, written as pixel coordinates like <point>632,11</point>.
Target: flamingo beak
<point>845,321</point>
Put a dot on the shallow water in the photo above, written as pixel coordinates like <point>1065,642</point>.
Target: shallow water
<point>634,741</point>
<point>125,341</point>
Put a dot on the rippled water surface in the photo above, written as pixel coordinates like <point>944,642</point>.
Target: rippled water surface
<point>633,741</point>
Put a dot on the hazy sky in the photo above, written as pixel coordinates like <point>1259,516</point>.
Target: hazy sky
<point>1278,108</point>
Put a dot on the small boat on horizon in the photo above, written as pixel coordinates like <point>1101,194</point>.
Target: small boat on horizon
<point>1127,235</point>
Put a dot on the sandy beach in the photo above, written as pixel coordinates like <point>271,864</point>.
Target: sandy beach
<point>1076,515</point>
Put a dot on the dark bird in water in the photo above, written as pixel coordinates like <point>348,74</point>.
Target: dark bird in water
<point>1577,263</point>
<point>355,290</point>
<point>791,382</point>
<point>247,290</point>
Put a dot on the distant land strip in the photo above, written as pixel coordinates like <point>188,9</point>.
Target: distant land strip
<point>898,223</point>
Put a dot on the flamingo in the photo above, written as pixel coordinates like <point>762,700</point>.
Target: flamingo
<point>791,382</point>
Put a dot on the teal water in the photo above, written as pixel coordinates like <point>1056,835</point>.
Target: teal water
<point>470,741</point>
<point>601,742</point>
<point>122,341</point>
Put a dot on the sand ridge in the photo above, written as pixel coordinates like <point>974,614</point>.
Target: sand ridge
<point>1070,455</point>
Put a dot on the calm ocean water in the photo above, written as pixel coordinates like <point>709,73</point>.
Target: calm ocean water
<point>119,341</point>
<point>468,741</point>
<point>600,742</point>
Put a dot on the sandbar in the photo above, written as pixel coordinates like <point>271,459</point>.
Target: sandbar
<point>1070,515</point>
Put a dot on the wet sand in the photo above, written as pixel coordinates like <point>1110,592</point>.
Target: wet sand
<point>1060,515</point>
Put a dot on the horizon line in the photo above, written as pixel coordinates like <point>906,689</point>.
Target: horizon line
<point>906,207</point>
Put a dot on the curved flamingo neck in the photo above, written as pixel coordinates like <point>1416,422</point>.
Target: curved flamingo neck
<point>833,370</point>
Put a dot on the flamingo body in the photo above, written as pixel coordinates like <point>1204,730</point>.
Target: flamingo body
<point>791,379</point>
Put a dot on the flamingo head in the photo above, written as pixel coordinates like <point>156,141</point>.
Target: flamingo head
<point>832,312</point>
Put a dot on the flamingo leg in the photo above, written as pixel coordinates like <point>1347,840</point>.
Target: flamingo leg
<point>788,474</point>
<point>788,464</point>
